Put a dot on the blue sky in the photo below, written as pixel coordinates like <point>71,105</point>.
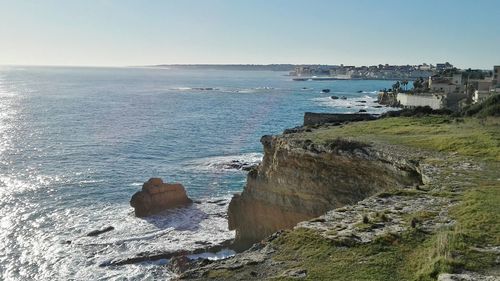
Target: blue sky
<point>359,32</point>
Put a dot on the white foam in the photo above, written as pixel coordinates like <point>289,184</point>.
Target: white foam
<point>181,89</point>
<point>220,255</point>
<point>260,89</point>
<point>222,163</point>
<point>354,104</point>
<point>170,231</point>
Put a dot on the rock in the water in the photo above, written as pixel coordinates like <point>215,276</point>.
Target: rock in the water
<point>237,165</point>
<point>100,231</point>
<point>157,196</point>
<point>334,97</point>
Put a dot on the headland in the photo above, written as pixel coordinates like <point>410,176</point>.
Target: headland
<point>397,198</point>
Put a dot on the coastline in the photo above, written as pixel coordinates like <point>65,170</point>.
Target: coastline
<point>405,220</point>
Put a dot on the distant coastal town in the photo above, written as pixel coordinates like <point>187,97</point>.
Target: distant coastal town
<point>438,86</point>
<point>449,88</point>
<point>320,71</point>
<point>375,72</point>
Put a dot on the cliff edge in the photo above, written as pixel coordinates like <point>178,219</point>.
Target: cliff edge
<point>299,180</point>
<point>419,199</point>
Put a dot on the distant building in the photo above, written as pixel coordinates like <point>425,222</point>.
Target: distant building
<point>303,71</point>
<point>443,66</point>
<point>483,88</point>
<point>484,85</point>
<point>445,85</point>
<point>420,73</point>
<point>338,71</point>
<point>424,67</point>
<point>496,76</point>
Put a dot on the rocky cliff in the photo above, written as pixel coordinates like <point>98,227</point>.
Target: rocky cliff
<point>444,228</point>
<point>299,180</point>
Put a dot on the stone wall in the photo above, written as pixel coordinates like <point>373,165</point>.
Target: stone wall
<point>413,100</point>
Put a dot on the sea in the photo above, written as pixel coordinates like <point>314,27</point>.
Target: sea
<point>77,142</point>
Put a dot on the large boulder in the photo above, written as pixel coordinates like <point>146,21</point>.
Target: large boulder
<point>157,196</point>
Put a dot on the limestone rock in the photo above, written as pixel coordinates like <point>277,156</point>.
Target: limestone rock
<point>468,276</point>
<point>157,196</point>
<point>298,181</point>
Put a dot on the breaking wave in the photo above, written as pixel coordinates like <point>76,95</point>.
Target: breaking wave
<point>225,163</point>
<point>353,104</point>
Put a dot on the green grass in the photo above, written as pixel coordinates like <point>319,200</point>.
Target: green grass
<point>472,137</point>
<point>388,258</point>
<point>415,255</point>
<point>478,223</point>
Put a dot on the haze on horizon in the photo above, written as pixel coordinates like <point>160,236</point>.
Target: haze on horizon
<point>128,32</point>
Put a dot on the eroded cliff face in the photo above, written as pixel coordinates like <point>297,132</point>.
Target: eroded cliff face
<point>299,180</point>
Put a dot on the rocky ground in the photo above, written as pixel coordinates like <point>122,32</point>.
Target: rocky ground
<point>381,237</point>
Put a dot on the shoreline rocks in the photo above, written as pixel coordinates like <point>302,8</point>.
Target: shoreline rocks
<point>100,231</point>
<point>384,216</point>
<point>157,196</point>
<point>237,165</point>
<point>180,255</point>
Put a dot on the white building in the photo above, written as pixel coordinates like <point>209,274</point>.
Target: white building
<point>434,101</point>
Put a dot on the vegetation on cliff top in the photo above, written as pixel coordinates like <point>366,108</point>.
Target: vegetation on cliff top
<point>464,136</point>
<point>490,107</point>
<point>416,255</point>
<point>470,243</point>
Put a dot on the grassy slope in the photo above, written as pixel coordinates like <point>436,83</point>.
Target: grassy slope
<point>416,255</point>
<point>467,137</point>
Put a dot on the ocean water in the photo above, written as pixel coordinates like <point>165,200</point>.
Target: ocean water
<point>76,143</point>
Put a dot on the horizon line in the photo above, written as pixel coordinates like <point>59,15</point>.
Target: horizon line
<point>222,64</point>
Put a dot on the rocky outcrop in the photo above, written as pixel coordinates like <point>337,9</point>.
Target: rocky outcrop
<point>380,220</point>
<point>388,98</point>
<point>299,180</point>
<point>176,257</point>
<point>100,231</point>
<point>157,196</point>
